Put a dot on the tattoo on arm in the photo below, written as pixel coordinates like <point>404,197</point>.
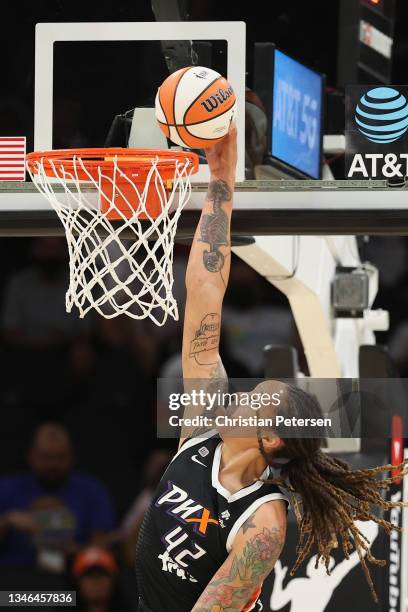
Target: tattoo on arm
<point>234,586</point>
<point>249,523</point>
<point>214,226</point>
<point>206,338</point>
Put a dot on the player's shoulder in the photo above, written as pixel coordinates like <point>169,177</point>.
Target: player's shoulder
<point>271,511</point>
<point>265,527</point>
<point>267,507</point>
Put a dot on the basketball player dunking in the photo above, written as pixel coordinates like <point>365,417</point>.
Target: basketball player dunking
<point>216,525</point>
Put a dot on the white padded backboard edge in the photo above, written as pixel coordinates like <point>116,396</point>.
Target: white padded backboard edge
<point>233,32</point>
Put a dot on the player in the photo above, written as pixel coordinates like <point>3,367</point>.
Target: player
<point>216,525</point>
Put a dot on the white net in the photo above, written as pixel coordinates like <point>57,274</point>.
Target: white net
<point>123,265</point>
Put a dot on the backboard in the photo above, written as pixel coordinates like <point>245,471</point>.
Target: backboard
<point>261,208</point>
<point>67,54</point>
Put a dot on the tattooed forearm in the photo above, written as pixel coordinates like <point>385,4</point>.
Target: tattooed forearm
<point>239,583</point>
<point>206,338</point>
<point>214,385</point>
<point>214,227</point>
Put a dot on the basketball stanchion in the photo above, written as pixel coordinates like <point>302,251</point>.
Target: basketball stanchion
<point>141,194</point>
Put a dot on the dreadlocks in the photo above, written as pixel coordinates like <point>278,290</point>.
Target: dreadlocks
<point>328,496</point>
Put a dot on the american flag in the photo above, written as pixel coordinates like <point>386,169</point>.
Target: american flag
<point>12,158</point>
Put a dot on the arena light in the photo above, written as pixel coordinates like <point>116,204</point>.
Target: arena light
<point>375,3</point>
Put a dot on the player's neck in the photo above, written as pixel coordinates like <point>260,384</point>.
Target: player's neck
<point>240,467</point>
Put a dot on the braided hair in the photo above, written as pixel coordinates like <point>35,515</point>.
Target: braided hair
<point>328,496</point>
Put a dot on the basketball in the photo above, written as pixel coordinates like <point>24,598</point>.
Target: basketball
<point>195,107</point>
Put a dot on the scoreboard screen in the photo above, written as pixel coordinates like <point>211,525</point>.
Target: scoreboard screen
<point>292,95</point>
<point>297,115</point>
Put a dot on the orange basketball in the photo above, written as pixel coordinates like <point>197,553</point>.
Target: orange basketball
<point>195,107</point>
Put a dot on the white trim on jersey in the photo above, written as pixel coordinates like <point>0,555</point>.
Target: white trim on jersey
<point>231,497</point>
<point>194,441</point>
<point>250,510</point>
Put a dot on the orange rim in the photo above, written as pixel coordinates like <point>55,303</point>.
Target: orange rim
<point>132,162</point>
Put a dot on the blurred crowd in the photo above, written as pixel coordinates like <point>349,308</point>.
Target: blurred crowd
<point>79,456</point>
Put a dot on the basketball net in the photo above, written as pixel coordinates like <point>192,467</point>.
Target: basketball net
<point>120,247</point>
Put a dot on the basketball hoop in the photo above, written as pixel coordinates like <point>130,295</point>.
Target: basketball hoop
<point>121,244</point>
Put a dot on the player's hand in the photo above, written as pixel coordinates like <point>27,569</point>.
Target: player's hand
<point>222,157</point>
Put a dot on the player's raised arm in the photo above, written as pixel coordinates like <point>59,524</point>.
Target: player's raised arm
<point>209,265</point>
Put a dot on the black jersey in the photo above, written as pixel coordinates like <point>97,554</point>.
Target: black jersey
<point>190,526</point>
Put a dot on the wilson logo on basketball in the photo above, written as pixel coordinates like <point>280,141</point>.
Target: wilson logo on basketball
<point>212,102</point>
<point>201,75</point>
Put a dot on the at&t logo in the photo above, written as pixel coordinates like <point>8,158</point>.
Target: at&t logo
<point>382,115</point>
<point>379,145</point>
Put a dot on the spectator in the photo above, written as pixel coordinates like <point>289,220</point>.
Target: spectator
<point>121,342</point>
<point>95,571</point>
<point>250,322</point>
<point>37,329</point>
<point>51,511</point>
<point>154,468</point>
<point>111,372</point>
<point>34,304</point>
